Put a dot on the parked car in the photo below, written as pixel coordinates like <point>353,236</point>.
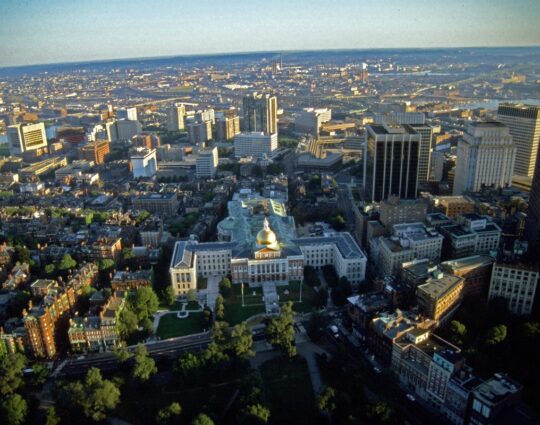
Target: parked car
<point>377,370</point>
<point>411,397</point>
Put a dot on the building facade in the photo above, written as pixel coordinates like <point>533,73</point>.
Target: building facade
<point>26,137</point>
<point>485,158</point>
<point>523,121</point>
<point>256,145</point>
<point>391,162</point>
<point>516,283</point>
<point>143,162</point>
<point>260,113</point>
<point>207,162</point>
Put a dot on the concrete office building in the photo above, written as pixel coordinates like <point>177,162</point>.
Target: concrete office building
<point>395,211</point>
<point>399,118</point>
<point>523,121</point>
<point>485,158</point>
<point>199,132</point>
<point>532,227</point>
<point>310,120</point>
<point>255,144</point>
<point>391,162</point>
<point>207,162</point>
<point>163,204</point>
<point>424,151</point>
<point>516,284</point>
<point>440,295</point>
<point>129,114</point>
<point>175,117</point>
<point>126,129</point>
<point>260,113</point>
<point>409,241</point>
<point>143,162</point>
<point>26,137</point>
<point>95,151</point>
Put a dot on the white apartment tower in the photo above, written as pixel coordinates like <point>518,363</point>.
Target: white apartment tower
<point>207,162</point>
<point>175,117</point>
<point>485,158</point>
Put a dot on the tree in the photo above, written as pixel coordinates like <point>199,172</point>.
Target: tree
<point>219,309</point>
<point>202,419</point>
<point>127,323</point>
<point>15,409</point>
<point>52,418</point>
<point>145,366</point>
<point>106,264</point>
<point>495,335</point>
<point>341,292</point>
<point>192,295</point>
<point>241,341</point>
<point>67,263</point>
<point>280,330</point>
<point>457,332</point>
<point>326,401</point>
<point>225,287</point>
<point>100,395</point>
<point>169,296</point>
<point>167,413</point>
<point>144,303</point>
<point>187,364</point>
<point>39,374</point>
<point>207,317</point>
<point>122,354</point>
<point>50,269</point>
<point>322,297</point>
<point>11,375</point>
<point>256,414</point>
<point>380,412</point>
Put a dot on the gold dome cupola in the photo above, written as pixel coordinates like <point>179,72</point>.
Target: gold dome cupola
<point>266,236</point>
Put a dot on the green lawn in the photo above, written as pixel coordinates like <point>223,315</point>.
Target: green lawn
<point>235,313</point>
<point>171,326</point>
<point>289,391</point>
<point>292,293</point>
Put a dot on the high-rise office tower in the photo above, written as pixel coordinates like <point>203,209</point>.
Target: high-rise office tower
<point>532,228</point>
<point>524,124</point>
<point>391,162</point>
<point>424,151</point>
<point>260,113</point>
<point>26,137</point>
<point>485,158</point>
<point>175,117</point>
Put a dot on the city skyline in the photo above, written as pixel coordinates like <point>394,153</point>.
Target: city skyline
<point>137,30</point>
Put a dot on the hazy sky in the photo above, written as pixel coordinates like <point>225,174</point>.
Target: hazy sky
<point>47,31</point>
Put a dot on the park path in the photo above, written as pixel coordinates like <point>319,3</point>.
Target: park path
<point>308,351</point>
<point>212,291</point>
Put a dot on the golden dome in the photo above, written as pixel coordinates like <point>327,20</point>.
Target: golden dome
<point>266,236</point>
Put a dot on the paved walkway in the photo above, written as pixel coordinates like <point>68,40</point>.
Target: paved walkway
<point>271,298</point>
<point>212,291</point>
<point>308,350</point>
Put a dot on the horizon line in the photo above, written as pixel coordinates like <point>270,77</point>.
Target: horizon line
<point>252,52</point>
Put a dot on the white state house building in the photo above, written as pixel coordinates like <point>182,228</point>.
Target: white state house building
<point>258,244</point>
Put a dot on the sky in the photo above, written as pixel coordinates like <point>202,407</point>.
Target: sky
<point>51,31</point>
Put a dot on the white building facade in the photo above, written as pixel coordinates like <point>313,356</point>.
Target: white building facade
<point>485,158</point>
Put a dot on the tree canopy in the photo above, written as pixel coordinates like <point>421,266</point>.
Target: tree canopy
<point>280,330</point>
